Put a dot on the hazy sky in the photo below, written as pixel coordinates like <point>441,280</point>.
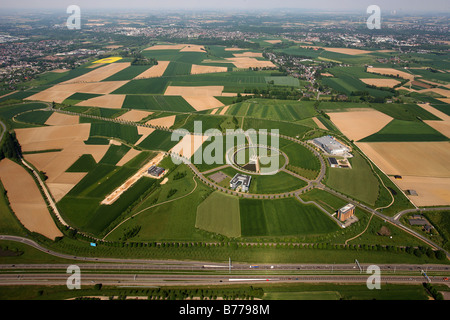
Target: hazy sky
<point>323,5</point>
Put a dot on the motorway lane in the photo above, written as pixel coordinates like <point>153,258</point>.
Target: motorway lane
<point>148,264</point>
<point>190,280</point>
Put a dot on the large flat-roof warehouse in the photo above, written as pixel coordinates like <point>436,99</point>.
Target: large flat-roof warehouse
<point>331,146</point>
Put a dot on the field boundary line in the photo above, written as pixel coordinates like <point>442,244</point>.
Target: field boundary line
<point>152,206</point>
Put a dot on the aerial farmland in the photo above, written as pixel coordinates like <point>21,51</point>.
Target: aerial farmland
<point>236,129</point>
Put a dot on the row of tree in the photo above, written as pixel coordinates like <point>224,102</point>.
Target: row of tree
<point>10,148</point>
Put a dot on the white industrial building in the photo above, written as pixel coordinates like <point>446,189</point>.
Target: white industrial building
<point>331,146</point>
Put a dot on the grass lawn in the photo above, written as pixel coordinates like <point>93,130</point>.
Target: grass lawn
<point>81,206</point>
<point>441,222</point>
<point>282,217</point>
<point>335,291</point>
<point>303,295</point>
<point>358,182</point>
<point>326,200</point>
<point>299,156</point>
<point>219,213</point>
<point>174,220</point>
<point>277,183</point>
<point>270,184</point>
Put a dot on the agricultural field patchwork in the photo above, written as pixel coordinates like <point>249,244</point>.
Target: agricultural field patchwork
<point>90,129</point>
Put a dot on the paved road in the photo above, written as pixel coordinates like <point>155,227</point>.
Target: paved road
<point>399,214</point>
<point>151,264</point>
<point>135,279</point>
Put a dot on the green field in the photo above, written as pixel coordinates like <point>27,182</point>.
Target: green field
<point>10,224</point>
<point>405,131</point>
<point>271,184</point>
<point>158,140</point>
<point>442,77</point>
<point>109,129</point>
<point>157,102</point>
<point>81,206</point>
<point>38,117</point>
<point>114,154</point>
<point>176,68</point>
<point>303,295</point>
<point>407,112</point>
<point>358,182</point>
<point>282,217</point>
<point>329,291</point>
<point>286,110</point>
<point>144,86</point>
<point>85,163</point>
<point>78,97</point>
<point>219,213</point>
<point>128,73</point>
<point>441,222</point>
<point>9,111</point>
<point>299,156</point>
<point>326,200</point>
<point>168,218</point>
<point>284,128</point>
<point>232,81</point>
<point>191,220</point>
<point>283,81</point>
<point>346,80</point>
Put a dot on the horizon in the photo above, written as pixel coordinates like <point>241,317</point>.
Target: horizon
<point>320,6</point>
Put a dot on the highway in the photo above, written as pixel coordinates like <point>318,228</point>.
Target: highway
<point>140,280</point>
<point>141,272</point>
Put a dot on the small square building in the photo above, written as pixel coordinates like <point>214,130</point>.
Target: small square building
<point>346,212</point>
<point>241,180</point>
<point>155,171</point>
<point>333,162</point>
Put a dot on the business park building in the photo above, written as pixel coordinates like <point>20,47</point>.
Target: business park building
<point>241,181</point>
<point>331,146</point>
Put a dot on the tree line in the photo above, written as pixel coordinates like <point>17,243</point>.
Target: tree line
<point>10,148</point>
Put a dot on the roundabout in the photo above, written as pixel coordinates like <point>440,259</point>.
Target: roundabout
<point>270,168</point>
<point>257,159</point>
